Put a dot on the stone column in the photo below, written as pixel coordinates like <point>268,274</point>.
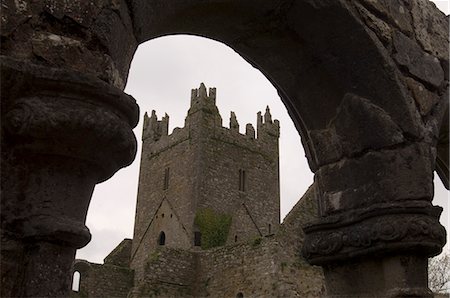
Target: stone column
<point>62,132</point>
<point>65,126</point>
<point>377,226</point>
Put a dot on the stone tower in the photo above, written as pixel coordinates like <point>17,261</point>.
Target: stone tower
<point>204,171</point>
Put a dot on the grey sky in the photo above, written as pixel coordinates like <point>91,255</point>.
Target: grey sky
<point>162,74</point>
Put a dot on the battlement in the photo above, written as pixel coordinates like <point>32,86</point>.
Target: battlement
<point>265,125</point>
<point>154,129</point>
<point>200,96</point>
<point>204,119</point>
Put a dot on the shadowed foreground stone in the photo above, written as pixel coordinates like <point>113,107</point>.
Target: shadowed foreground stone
<point>66,124</point>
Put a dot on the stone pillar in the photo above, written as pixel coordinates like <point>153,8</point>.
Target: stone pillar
<point>377,226</point>
<point>65,126</point>
<point>62,132</point>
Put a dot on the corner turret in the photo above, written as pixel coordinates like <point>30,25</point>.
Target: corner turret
<point>266,127</point>
<point>203,108</point>
<point>201,97</point>
<point>154,129</point>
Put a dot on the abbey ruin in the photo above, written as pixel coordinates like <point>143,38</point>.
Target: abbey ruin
<point>364,81</point>
<point>208,216</point>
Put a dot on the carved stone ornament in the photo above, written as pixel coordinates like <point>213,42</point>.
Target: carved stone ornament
<point>395,230</point>
<point>66,113</point>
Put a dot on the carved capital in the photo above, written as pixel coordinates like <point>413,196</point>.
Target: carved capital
<point>62,132</point>
<point>54,111</point>
<point>381,230</point>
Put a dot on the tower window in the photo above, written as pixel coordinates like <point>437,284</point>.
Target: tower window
<point>235,238</point>
<point>270,228</point>
<point>166,178</point>
<point>240,295</point>
<point>197,239</point>
<point>242,180</point>
<point>162,238</point>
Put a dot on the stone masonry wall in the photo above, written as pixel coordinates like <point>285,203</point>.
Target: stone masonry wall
<point>97,280</point>
<point>120,256</point>
<point>264,267</point>
<point>168,273</point>
<point>268,267</point>
<point>178,159</point>
<point>227,153</point>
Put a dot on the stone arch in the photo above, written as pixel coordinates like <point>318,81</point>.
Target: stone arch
<point>337,65</point>
<point>322,42</point>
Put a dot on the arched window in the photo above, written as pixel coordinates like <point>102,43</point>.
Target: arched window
<point>235,238</point>
<point>76,281</point>
<point>270,228</point>
<point>162,238</point>
<point>240,295</point>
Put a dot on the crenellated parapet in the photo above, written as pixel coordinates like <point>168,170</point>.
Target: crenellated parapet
<point>266,127</point>
<point>203,111</point>
<point>154,128</point>
<point>203,119</point>
<point>201,97</point>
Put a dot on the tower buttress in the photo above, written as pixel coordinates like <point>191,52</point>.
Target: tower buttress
<point>267,128</point>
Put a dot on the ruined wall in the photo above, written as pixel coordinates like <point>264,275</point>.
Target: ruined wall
<point>102,280</point>
<point>120,256</point>
<point>267,266</point>
<point>169,272</point>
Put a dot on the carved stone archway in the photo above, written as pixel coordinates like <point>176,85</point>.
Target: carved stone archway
<point>365,82</point>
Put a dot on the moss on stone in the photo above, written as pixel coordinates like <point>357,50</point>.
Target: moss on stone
<point>213,226</point>
<point>256,242</point>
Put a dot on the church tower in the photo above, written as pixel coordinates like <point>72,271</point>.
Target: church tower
<point>205,185</point>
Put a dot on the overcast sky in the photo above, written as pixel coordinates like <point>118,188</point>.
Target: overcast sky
<point>162,74</point>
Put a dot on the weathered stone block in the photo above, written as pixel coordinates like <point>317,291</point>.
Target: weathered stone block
<point>380,27</point>
<point>358,119</point>
<point>374,178</point>
<point>420,64</point>
<point>431,28</point>
<point>393,11</point>
<point>424,98</point>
